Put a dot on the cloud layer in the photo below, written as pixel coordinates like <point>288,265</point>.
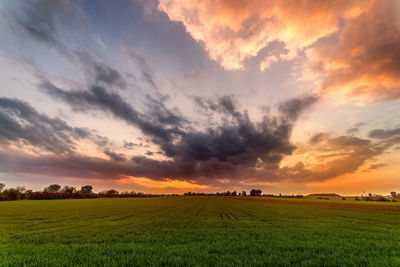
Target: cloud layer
<point>351,45</point>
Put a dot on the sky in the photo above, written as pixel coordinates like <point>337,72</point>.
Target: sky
<point>171,96</point>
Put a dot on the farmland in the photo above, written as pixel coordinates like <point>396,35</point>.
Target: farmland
<point>194,231</point>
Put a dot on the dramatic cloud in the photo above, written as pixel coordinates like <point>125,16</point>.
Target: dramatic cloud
<point>21,123</point>
<point>330,157</point>
<point>364,60</point>
<point>78,54</point>
<point>97,98</point>
<point>237,147</point>
<point>351,45</point>
<point>234,31</point>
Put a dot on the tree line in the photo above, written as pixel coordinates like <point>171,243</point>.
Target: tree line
<point>56,191</point>
<point>253,192</point>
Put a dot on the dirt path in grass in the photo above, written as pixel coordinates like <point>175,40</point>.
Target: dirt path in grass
<point>323,204</point>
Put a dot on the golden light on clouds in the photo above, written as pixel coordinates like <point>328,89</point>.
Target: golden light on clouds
<point>167,183</point>
<point>360,62</point>
<point>232,31</point>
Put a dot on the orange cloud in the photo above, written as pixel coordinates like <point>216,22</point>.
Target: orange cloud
<point>360,60</point>
<point>364,62</point>
<point>168,183</point>
<point>235,30</point>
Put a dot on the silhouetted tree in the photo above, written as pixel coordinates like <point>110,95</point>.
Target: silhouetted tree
<point>394,194</point>
<point>255,192</point>
<point>11,194</point>
<point>68,189</point>
<point>86,189</point>
<point>233,193</point>
<point>53,188</point>
<point>244,193</point>
<point>112,192</point>
<point>20,189</point>
<point>2,186</point>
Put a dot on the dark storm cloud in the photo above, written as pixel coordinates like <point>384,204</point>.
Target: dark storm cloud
<point>20,122</point>
<point>114,156</point>
<point>236,148</point>
<point>224,104</point>
<point>163,115</point>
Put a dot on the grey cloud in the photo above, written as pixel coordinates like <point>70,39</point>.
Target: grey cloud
<point>377,166</point>
<point>146,71</point>
<point>384,133</point>
<point>41,20</point>
<point>163,115</point>
<point>237,148</point>
<point>21,122</point>
<point>98,72</point>
<point>114,156</point>
<point>294,107</point>
<point>97,98</point>
<point>387,137</point>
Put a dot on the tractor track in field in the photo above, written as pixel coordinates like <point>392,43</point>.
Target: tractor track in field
<point>226,213</point>
<point>253,216</point>
<point>233,215</point>
<point>324,204</point>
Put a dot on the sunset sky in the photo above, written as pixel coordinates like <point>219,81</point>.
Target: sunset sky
<point>172,96</point>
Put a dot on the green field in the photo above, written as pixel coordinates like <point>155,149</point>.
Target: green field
<point>348,200</point>
<point>193,231</point>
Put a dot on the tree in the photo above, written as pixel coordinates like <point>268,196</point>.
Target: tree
<point>394,194</point>
<point>12,193</point>
<point>21,189</point>
<point>234,193</point>
<point>53,188</point>
<point>2,186</point>
<point>68,189</point>
<point>255,192</point>
<point>244,193</point>
<point>86,189</point>
<point>112,192</point>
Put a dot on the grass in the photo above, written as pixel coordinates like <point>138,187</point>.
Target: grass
<point>193,231</point>
<point>348,200</point>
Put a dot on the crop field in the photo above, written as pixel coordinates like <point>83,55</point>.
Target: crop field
<point>194,231</point>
